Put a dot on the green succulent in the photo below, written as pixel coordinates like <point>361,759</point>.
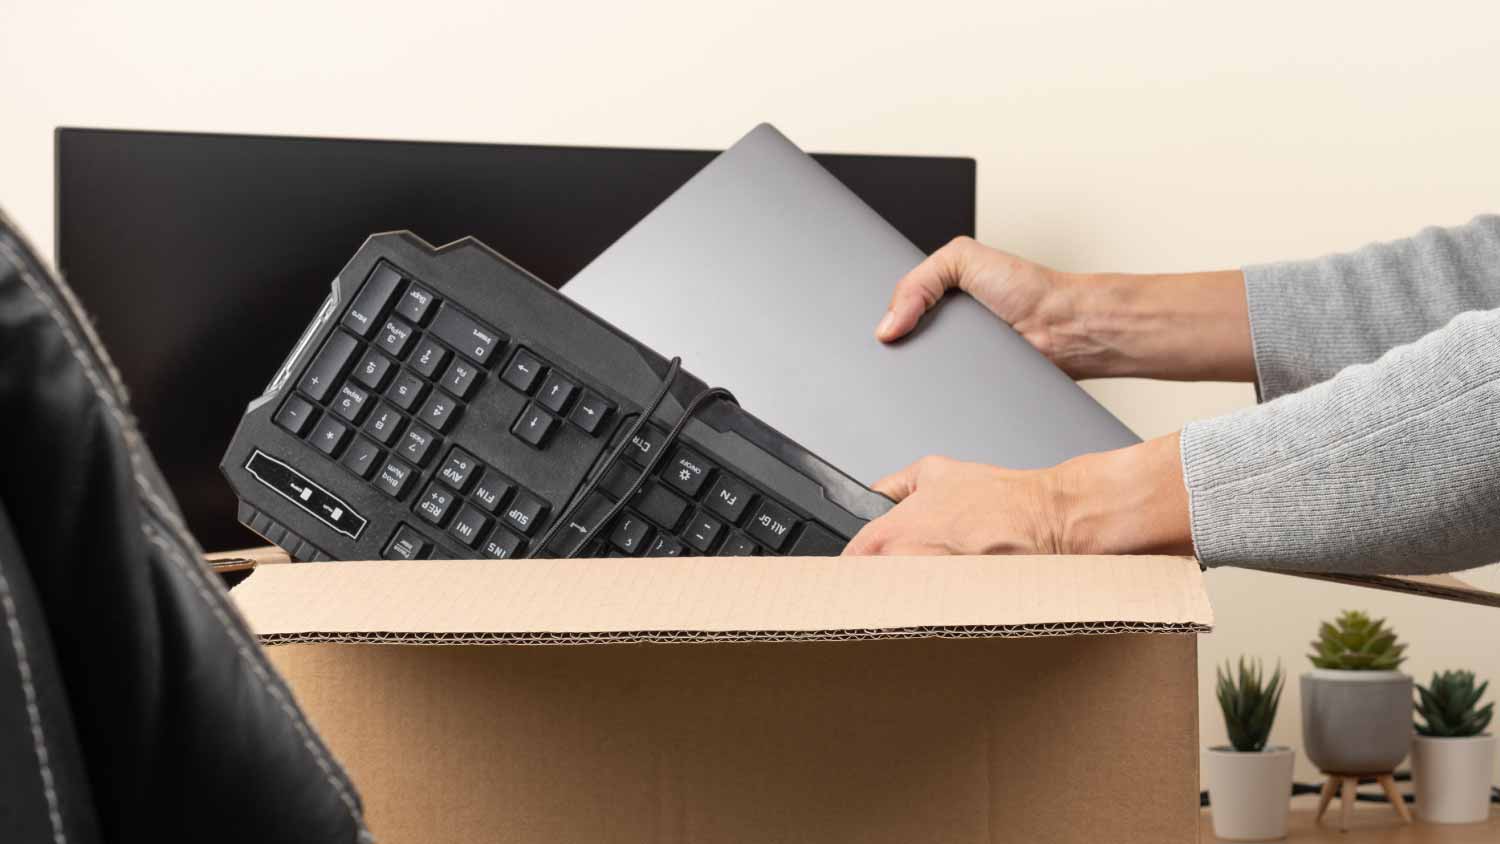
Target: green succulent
<point>1249,704</point>
<point>1356,643</point>
<point>1448,706</point>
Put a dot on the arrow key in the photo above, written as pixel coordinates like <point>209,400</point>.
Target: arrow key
<point>534,425</point>
<point>590,413</point>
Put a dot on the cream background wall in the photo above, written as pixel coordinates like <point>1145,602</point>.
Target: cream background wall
<point>1125,135</point>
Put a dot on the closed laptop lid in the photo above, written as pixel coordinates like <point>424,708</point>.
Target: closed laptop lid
<point>767,276</point>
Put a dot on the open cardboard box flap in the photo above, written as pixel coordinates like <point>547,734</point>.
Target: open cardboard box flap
<point>722,599</point>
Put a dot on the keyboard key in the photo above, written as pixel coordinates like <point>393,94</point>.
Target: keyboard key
<point>471,338</point>
<point>525,512</point>
<point>296,414</point>
<point>349,402</point>
<point>406,390</point>
<point>417,443</point>
<point>816,541</point>
<point>618,480</point>
<point>394,476</point>
<point>590,413</point>
<point>736,544</point>
<point>644,444</point>
<point>384,424</point>
<point>407,544</point>
<point>429,358</point>
<point>666,546</point>
<point>435,503</point>
<point>368,306</point>
<point>503,545</point>
<point>583,519</point>
<point>491,490</point>
<point>533,425</point>
<point>523,371</point>
<point>686,471</point>
<point>702,530</point>
<point>329,435</point>
<point>630,533</point>
<point>329,366</point>
<point>460,378</point>
<point>556,392</point>
<point>394,336</point>
<point>660,505</point>
<point>729,497</point>
<point>415,303</point>
<point>362,457</point>
<point>469,525</point>
<point>459,468</point>
<point>439,411</point>
<point>771,524</point>
<point>373,369</point>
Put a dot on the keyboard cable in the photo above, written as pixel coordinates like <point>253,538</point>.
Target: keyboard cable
<point>593,481</point>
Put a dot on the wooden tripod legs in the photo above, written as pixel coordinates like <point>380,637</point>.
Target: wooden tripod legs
<point>1347,784</point>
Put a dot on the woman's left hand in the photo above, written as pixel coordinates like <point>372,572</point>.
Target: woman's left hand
<point>947,506</point>
<point>1128,501</point>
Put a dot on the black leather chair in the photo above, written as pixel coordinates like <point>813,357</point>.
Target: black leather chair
<point>134,704</point>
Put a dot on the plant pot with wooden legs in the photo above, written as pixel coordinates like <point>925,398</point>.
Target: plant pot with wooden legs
<point>1452,756</point>
<point>1250,784</point>
<point>1356,716</point>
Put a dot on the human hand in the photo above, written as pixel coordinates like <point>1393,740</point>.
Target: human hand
<point>947,506</point>
<point>1030,297</point>
<point>1185,327</point>
<point>1127,501</point>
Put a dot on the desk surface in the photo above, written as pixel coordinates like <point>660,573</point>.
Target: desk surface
<point>1371,823</point>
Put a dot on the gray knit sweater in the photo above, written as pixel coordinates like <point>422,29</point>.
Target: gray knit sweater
<point>1377,445</point>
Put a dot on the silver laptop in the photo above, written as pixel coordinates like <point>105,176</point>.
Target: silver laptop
<point>767,276</point>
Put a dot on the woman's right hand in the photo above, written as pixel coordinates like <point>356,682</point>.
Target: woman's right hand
<point>1188,327</point>
<point>1030,297</point>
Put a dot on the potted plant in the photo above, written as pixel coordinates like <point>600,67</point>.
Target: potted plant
<point>1452,756</point>
<point>1356,707</point>
<point>1250,784</point>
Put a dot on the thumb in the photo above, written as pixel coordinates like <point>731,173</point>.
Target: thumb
<point>899,485</point>
<point>918,291</point>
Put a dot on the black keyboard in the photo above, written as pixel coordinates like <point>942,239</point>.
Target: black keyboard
<point>445,403</point>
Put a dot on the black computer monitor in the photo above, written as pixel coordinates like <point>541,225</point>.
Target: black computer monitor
<point>203,256</point>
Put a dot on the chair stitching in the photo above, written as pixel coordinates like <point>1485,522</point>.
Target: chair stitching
<point>327,765</point>
<point>128,430</point>
<point>33,712</point>
<point>166,513</point>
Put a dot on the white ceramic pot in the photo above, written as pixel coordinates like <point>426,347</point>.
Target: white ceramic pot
<point>1452,777</point>
<point>1249,793</point>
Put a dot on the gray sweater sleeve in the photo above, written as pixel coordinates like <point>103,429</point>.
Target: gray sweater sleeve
<point>1310,319</point>
<point>1393,464</point>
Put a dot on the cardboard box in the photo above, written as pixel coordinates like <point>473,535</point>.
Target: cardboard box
<point>958,699</point>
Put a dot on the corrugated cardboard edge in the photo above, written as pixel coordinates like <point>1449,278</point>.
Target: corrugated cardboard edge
<point>577,602</point>
<point>667,637</point>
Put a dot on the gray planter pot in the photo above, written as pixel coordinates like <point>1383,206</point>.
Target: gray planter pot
<point>1356,722</point>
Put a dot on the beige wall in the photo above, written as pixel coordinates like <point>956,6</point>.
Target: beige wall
<point>1167,135</point>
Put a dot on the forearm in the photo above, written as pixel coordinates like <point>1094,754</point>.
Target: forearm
<point>1184,327</point>
<point>1392,466</point>
<point>1127,501</point>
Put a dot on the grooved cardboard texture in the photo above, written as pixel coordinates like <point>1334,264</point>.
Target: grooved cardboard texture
<point>1036,699</point>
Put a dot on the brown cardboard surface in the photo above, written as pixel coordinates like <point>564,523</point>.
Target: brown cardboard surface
<point>1057,739</point>
<point>1442,586</point>
<point>973,708</point>
<point>726,598</point>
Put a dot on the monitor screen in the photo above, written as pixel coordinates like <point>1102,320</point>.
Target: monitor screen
<point>202,257</point>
